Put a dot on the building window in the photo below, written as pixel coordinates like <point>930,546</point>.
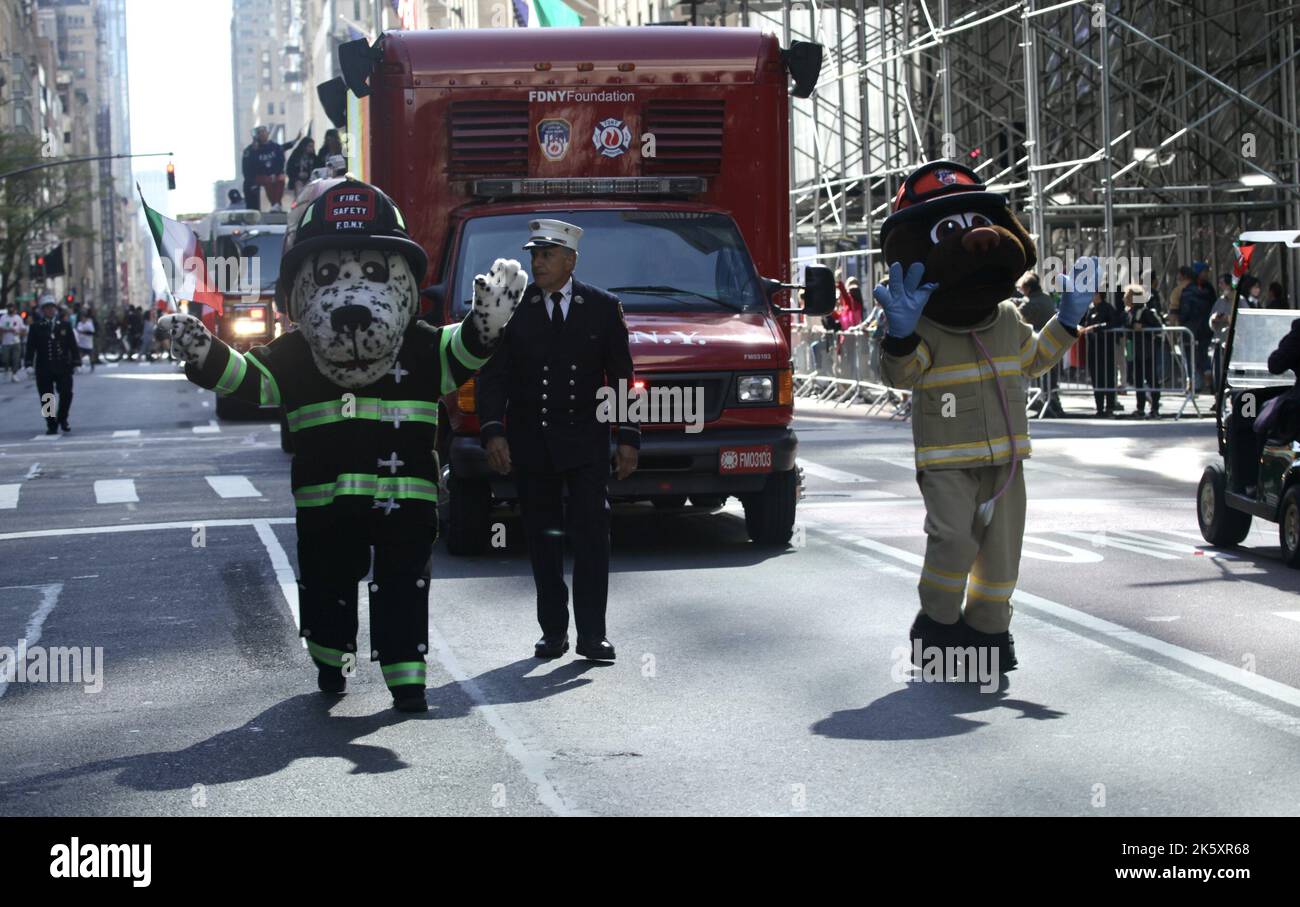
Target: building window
<point>270,108</point>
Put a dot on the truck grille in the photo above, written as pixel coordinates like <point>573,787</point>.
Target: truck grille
<point>715,384</point>
<point>688,137</point>
<point>488,137</point>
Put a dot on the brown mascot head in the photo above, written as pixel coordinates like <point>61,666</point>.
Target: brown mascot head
<point>971,244</point>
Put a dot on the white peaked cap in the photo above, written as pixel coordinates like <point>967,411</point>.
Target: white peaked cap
<point>553,233</point>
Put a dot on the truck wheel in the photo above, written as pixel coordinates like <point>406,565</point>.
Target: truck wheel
<point>286,436</point>
<point>1288,526</point>
<point>769,514</point>
<point>468,510</point>
<point>708,501</point>
<point>669,502</point>
<point>1221,526</point>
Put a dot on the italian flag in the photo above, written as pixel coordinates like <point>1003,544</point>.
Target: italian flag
<point>182,257</point>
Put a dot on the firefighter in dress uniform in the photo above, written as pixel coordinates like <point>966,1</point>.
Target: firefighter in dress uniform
<point>364,473</point>
<point>538,399</point>
<point>53,355</point>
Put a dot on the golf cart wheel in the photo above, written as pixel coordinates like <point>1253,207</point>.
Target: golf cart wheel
<point>1221,526</point>
<point>1288,526</point>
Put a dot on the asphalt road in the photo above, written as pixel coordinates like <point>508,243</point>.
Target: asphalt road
<point>1157,676</point>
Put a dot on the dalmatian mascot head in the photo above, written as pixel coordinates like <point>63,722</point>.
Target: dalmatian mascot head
<point>349,277</point>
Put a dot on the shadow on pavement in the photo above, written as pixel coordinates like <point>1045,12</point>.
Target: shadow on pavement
<point>925,711</point>
<point>510,684</point>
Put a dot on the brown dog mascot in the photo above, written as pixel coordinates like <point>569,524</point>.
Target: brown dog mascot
<point>955,251</point>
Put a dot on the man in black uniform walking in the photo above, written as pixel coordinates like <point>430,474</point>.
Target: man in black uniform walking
<point>566,341</point>
<point>52,349</point>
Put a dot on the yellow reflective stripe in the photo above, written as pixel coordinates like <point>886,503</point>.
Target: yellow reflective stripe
<point>969,373</point>
<point>1003,441</point>
<point>269,389</point>
<point>978,450</point>
<point>931,577</point>
<point>990,584</point>
<point>233,375</point>
<point>970,364</point>
<point>922,353</point>
<point>982,595</point>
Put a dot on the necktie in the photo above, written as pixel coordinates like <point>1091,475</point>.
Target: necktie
<point>557,314</point>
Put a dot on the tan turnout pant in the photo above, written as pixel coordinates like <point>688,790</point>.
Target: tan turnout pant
<point>964,559</point>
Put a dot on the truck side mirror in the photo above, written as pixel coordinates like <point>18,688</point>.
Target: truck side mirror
<point>803,60</point>
<point>357,61</point>
<point>819,293</point>
<point>334,100</point>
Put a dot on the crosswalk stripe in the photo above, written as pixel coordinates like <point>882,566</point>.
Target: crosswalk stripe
<point>9,496</point>
<point>127,433</point>
<point>115,491</point>
<point>1108,540</point>
<point>211,428</point>
<point>233,486</point>
<point>1289,615</point>
<point>835,475</point>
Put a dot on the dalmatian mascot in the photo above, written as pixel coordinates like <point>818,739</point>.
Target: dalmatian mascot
<point>359,383</point>
<point>955,251</point>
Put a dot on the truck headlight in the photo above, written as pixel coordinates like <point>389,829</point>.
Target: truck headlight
<point>754,389</point>
<point>245,326</point>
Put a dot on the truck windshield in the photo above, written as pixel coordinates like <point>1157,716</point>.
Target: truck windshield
<point>260,246</point>
<point>654,261</point>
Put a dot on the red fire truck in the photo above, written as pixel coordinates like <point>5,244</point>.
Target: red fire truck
<point>669,147</point>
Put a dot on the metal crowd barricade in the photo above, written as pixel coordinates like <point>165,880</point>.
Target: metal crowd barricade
<point>843,367</point>
<point>1147,363</point>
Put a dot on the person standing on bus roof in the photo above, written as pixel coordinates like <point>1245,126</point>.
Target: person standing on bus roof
<point>566,342</point>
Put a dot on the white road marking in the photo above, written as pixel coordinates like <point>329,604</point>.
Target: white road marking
<point>1289,615</point>
<point>1069,553</point>
<point>49,598</point>
<point>53,437</point>
<point>1038,606</point>
<point>1165,619</point>
<point>284,574</point>
<point>34,471</point>
<point>211,428</point>
<point>9,495</point>
<point>233,486</point>
<point>127,433</point>
<point>187,525</point>
<point>149,376</point>
<point>115,491</point>
<point>834,475</point>
<point>1109,540</point>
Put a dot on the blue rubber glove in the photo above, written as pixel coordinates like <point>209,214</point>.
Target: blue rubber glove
<point>903,298</point>
<point>1075,302</point>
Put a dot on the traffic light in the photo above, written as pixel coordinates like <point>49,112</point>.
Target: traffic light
<point>38,272</point>
<point>71,298</point>
<point>171,175</point>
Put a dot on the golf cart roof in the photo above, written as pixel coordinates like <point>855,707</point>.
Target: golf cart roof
<point>1256,333</point>
<point>1290,237</point>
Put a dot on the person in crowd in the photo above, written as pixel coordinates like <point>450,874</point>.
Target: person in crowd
<point>824,342</point>
<point>1248,292</point>
<point>301,163</point>
<point>1220,318</point>
<point>331,146</point>
<point>1037,309</point>
<point>1184,280</point>
<point>1142,317</point>
<point>1097,322</point>
<point>263,168</point>
<point>147,324</point>
<point>1197,301</point>
<point>1276,297</point>
<point>133,327</point>
<point>12,329</point>
<point>85,329</point>
<point>234,200</point>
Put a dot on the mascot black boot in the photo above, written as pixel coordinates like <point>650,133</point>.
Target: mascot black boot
<point>955,252</point>
<point>359,382</point>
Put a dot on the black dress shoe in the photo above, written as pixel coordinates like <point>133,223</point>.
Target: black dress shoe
<point>52,430</point>
<point>551,646</point>
<point>331,680</point>
<point>65,426</point>
<point>932,634</point>
<point>409,697</point>
<point>596,649</point>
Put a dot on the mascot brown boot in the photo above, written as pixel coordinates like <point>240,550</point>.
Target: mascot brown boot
<point>955,252</point>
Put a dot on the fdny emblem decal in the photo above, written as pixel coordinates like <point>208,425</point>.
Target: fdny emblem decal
<point>553,136</point>
<point>612,137</point>
<point>350,209</point>
<point>947,177</point>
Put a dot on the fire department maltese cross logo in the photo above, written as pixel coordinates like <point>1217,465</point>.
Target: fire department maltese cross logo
<point>947,177</point>
<point>612,137</point>
<point>730,459</point>
<point>553,136</point>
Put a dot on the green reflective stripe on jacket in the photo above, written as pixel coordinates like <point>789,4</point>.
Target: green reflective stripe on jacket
<point>407,487</point>
<point>371,408</point>
<point>324,494</point>
<point>404,673</point>
<point>381,487</point>
<point>233,376</point>
<point>461,352</point>
<point>270,391</point>
<point>325,654</point>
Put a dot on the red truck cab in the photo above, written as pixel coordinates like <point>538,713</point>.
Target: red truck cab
<point>669,147</point>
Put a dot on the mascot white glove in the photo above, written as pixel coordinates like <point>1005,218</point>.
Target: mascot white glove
<point>903,298</point>
<point>1079,288</point>
<point>190,339</point>
<point>496,295</point>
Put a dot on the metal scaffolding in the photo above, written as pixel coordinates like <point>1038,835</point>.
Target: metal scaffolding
<point>1143,128</point>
